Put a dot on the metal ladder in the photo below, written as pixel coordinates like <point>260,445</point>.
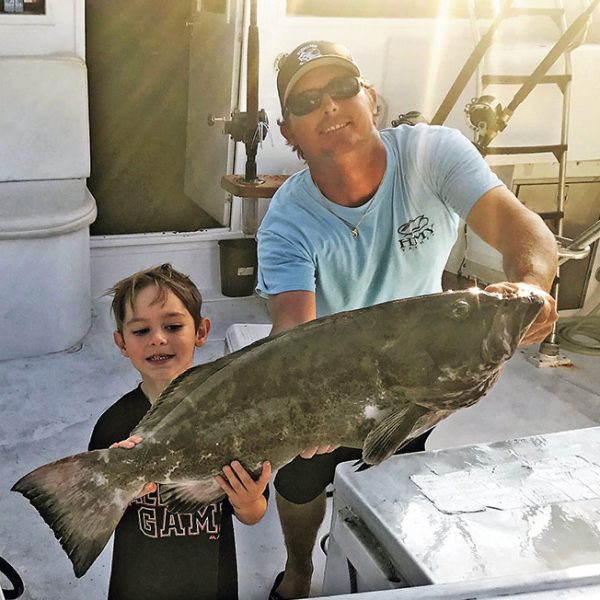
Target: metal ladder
<point>489,118</point>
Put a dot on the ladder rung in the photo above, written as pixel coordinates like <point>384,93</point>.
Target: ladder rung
<point>534,12</point>
<point>555,149</point>
<point>517,79</point>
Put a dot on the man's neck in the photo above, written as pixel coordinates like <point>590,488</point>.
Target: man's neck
<point>351,178</point>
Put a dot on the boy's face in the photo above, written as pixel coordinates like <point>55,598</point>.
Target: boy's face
<point>160,337</point>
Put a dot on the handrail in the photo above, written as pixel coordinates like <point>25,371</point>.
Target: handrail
<point>578,247</point>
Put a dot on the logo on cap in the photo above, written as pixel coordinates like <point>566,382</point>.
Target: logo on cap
<point>307,53</point>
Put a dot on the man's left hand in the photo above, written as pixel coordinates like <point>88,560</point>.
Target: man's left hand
<point>542,326</point>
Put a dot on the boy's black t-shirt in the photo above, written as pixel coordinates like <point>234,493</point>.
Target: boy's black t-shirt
<point>162,555</point>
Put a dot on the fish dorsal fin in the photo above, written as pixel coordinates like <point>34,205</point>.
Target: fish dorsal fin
<point>176,391</point>
<point>190,496</point>
<point>387,436</point>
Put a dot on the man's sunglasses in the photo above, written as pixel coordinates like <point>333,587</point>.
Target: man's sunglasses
<point>340,88</point>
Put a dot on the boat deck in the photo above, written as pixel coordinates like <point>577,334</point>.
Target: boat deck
<point>50,404</point>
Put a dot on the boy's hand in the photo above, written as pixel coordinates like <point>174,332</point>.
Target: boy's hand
<point>129,443</point>
<point>245,494</point>
<point>147,489</point>
<point>310,452</point>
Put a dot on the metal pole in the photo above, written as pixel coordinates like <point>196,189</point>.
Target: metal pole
<point>252,95</point>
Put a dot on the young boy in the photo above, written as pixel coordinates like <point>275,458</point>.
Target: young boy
<point>157,554</point>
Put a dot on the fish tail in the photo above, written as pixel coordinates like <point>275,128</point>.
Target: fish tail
<point>82,501</point>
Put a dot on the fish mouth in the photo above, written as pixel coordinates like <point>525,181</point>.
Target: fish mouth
<point>159,358</point>
<point>510,326</point>
<point>334,128</point>
<point>501,348</point>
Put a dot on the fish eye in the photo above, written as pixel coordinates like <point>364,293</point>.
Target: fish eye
<point>460,309</point>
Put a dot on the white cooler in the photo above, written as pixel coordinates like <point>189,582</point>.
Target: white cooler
<point>45,206</point>
<point>240,335</point>
<point>474,522</point>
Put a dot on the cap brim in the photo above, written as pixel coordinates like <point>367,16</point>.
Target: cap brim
<point>322,61</point>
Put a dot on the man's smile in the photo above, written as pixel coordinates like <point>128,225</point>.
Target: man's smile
<point>335,127</point>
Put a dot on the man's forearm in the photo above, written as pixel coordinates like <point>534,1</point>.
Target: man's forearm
<point>529,250</point>
<point>530,254</point>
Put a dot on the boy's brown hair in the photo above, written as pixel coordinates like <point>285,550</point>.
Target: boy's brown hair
<point>166,279</point>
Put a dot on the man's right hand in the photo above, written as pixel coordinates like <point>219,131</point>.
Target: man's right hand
<point>129,443</point>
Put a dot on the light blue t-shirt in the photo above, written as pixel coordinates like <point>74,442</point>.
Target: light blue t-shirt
<point>433,176</point>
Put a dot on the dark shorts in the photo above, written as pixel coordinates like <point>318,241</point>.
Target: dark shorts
<point>304,479</point>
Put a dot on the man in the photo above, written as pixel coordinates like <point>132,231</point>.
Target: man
<point>372,219</point>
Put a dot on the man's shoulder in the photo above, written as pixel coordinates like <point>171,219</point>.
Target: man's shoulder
<point>290,201</point>
<point>419,133</point>
<point>291,186</point>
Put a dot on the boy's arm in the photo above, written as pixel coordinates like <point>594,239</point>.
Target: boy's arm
<point>245,495</point>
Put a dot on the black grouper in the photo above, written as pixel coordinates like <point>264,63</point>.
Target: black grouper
<point>371,378</point>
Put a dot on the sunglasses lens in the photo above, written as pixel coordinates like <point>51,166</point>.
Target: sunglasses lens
<point>340,88</point>
<point>304,103</point>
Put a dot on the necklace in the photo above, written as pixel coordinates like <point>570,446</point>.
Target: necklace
<point>353,228</point>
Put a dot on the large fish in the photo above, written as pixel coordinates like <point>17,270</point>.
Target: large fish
<point>371,378</point>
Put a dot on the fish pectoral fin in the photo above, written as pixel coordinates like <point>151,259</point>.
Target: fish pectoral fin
<point>386,437</point>
<point>190,496</point>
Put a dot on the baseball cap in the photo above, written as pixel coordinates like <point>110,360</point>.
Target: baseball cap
<point>306,57</point>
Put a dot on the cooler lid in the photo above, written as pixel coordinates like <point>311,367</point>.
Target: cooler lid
<point>239,335</point>
<point>527,505</point>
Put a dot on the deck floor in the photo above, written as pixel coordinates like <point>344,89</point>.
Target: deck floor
<point>50,404</point>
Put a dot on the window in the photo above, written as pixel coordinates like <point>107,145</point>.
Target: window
<point>19,7</point>
<point>376,9</point>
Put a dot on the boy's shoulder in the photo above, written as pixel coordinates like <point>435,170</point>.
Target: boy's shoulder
<point>117,421</point>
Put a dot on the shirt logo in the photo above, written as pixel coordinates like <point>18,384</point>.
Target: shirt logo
<point>156,521</point>
<point>307,53</point>
<point>415,232</point>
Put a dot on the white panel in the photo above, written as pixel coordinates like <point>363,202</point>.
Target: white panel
<point>413,62</point>
<point>44,118</point>
<point>196,254</point>
<point>61,29</point>
<point>422,60</point>
<point>584,132</point>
